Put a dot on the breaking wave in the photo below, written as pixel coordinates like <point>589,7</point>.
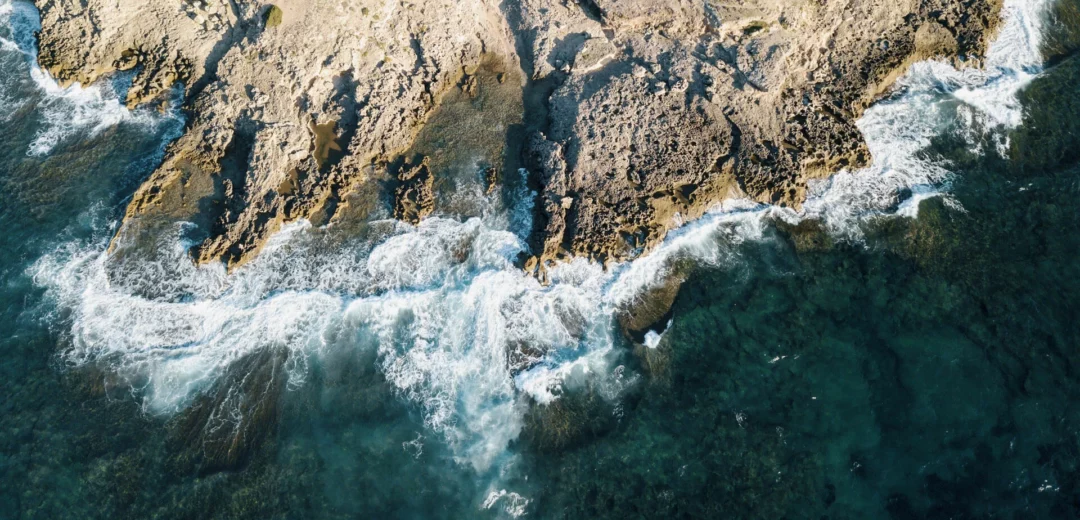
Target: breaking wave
<point>65,112</point>
<point>457,328</point>
<point>932,95</point>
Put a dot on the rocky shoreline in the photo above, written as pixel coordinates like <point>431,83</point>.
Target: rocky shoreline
<point>631,116</point>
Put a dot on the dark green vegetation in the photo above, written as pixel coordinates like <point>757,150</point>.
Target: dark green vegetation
<point>273,16</point>
<point>931,373</point>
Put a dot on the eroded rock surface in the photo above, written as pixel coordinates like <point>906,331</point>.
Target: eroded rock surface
<point>632,116</point>
<point>679,105</point>
<point>263,100</point>
<point>415,197</point>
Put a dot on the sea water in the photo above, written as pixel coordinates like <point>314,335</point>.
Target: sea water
<point>900,348</point>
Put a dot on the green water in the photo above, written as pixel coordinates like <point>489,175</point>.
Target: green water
<point>930,372</point>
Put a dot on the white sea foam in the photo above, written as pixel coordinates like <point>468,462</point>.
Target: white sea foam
<point>513,504</point>
<point>442,304</point>
<point>653,337</point>
<point>65,112</point>
<point>930,96</point>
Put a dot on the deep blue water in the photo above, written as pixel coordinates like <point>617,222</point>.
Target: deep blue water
<point>929,370</point>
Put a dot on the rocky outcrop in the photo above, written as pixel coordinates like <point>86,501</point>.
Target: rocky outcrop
<point>223,428</point>
<point>632,116</point>
<point>415,195</point>
<point>665,109</point>
<point>259,148</point>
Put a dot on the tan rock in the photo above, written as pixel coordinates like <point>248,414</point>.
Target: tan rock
<point>642,113</point>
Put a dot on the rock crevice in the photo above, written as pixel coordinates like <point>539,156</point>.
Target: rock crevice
<point>633,116</point>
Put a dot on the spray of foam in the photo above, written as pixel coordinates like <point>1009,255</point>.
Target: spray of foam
<point>929,96</point>
<point>65,112</point>
<point>458,329</point>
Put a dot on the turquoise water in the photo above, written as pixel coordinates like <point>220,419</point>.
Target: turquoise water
<point>925,368</point>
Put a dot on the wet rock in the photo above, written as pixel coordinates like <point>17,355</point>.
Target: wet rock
<point>379,81</point>
<point>578,415</point>
<point>415,196</point>
<point>728,101</point>
<point>807,235</point>
<point>651,311</point>
<point>522,356</point>
<point>633,131</point>
<point>223,428</point>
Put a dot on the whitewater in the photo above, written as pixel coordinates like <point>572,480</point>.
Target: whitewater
<point>443,303</point>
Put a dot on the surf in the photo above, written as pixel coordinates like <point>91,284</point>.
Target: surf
<point>65,112</point>
<point>459,330</point>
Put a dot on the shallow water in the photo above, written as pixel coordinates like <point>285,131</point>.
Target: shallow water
<point>902,350</point>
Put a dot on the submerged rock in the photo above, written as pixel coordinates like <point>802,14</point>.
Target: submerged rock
<point>225,427</point>
<point>579,414</point>
<point>652,309</point>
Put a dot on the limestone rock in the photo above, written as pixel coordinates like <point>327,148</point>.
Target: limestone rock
<point>710,100</point>
<point>415,197</point>
<point>639,114</point>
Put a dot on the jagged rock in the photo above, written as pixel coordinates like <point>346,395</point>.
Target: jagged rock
<point>594,53</point>
<point>378,76</point>
<point>415,197</point>
<point>651,311</point>
<point>710,100</point>
<point>647,112</point>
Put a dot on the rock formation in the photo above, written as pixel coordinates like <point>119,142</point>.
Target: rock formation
<point>632,116</point>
